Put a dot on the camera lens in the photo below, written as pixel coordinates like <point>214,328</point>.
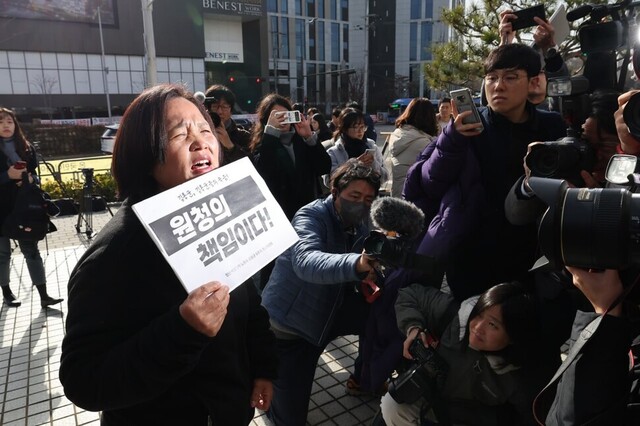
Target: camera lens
<point>544,162</point>
<point>600,228</point>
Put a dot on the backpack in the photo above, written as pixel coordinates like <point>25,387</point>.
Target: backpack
<point>29,218</point>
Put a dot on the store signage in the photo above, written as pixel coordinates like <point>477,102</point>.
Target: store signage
<point>237,7</point>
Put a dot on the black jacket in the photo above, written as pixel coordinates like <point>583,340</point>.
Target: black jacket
<point>292,185</point>
<point>129,353</point>
<point>8,187</point>
<point>241,139</point>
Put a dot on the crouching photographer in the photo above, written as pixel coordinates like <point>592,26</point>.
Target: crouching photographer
<point>477,372</point>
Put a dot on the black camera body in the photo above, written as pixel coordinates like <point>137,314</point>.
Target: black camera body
<point>425,377</point>
<point>397,252</point>
<point>561,159</point>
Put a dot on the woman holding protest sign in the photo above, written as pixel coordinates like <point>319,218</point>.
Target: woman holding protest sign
<point>138,347</point>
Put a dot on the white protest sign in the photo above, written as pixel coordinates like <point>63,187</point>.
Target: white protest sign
<point>222,226</point>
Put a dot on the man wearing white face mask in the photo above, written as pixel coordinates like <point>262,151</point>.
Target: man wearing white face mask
<point>310,295</point>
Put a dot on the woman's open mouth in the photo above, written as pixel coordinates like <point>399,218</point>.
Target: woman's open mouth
<point>201,165</point>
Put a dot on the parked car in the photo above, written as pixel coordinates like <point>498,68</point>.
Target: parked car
<point>108,138</point>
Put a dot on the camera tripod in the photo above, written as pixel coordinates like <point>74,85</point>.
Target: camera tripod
<point>85,211</point>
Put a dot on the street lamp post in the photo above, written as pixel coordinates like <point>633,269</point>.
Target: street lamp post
<point>149,42</point>
<point>105,69</point>
<point>308,23</point>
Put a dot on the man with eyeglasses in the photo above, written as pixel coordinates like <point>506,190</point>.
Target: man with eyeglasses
<point>234,140</point>
<point>462,180</point>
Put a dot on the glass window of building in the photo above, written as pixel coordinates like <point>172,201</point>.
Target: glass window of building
<point>275,37</point>
<point>333,9</point>
<point>345,9</point>
<point>312,41</point>
<point>284,37</point>
<point>299,7</point>
<point>413,41</point>
<point>415,9</point>
<point>300,38</point>
<point>345,42</point>
<point>272,6</point>
<point>428,9</point>
<point>335,42</point>
<point>311,8</point>
<point>320,8</point>
<point>284,6</point>
<point>321,56</point>
<point>426,32</point>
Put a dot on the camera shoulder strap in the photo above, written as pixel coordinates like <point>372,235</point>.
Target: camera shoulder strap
<point>582,339</point>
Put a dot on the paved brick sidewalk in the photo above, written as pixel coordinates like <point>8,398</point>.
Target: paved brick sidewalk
<point>31,337</point>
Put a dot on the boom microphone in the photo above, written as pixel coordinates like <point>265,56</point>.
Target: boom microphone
<point>579,12</point>
<point>200,97</point>
<point>397,215</point>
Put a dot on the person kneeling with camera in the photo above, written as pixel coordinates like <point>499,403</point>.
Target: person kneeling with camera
<point>476,372</point>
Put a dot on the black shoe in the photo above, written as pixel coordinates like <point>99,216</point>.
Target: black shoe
<point>48,300</point>
<point>11,300</point>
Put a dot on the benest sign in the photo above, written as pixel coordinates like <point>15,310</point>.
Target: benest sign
<point>240,7</point>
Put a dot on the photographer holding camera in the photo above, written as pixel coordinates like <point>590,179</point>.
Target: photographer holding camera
<point>311,297</point>
<point>478,374</point>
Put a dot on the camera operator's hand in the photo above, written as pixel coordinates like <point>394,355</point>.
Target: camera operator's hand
<point>276,119</point>
<point>589,180</point>
<point>527,171</point>
<point>630,145</point>
<point>414,333</point>
<point>505,28</point>
<point>303,128</point>
<point>366,263</point>
<point>601,288</point>
<point>544,34</point>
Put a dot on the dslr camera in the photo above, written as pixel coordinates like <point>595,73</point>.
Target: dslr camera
<point>397,252</point>
<point>424,378</point>
<point>561,159</point>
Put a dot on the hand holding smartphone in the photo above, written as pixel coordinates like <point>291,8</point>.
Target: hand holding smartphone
<point>370,151</point>
<point>464,102</point>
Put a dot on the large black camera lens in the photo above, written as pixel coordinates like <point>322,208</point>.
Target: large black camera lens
<point>589,228</point>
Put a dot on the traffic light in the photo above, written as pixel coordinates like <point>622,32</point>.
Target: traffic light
<point>258,80</point>
<point>232,79</point>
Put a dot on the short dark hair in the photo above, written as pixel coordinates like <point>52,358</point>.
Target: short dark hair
<point>348,117</point>
<point>518,317</point>
<point>220,91</point>
<point>514,56</point>
<point>444,100</point>
<point>353,170</point>
<point>420,114</point>
<point>336,112</point>
<point>142,139</point>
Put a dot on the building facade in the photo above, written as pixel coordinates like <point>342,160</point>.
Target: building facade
<point>85,58</point>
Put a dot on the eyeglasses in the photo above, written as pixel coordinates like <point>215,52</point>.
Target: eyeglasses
<point>221,106</point>
<point>359,128</point>
<point>508,79</point>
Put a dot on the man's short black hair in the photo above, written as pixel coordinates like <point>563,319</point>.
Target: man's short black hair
<point>336,112</point>
<point>444,100</point>
<point>353,170</point>
<point>513,56</point>
<point>221,92</point>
